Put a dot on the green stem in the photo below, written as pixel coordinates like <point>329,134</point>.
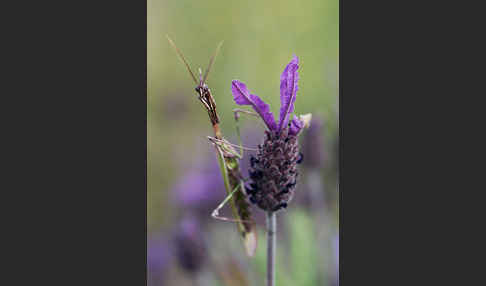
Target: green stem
<point>271,245</point>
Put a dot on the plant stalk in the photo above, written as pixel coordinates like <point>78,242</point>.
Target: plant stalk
<point>271,247</point>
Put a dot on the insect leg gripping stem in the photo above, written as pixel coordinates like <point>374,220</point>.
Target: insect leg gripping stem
<point>237,112</point>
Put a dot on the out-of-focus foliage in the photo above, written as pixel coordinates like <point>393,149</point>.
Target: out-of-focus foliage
<point>260,38</point>
<point>303,246</point>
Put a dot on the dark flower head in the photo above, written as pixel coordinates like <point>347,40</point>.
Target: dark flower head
<point>273,171</point>
<point>190,248</point>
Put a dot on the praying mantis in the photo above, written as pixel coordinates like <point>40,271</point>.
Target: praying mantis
<point>228,158</point>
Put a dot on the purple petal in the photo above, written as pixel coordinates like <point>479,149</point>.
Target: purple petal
<point>288,91</point>
<point>243,97</point>
<point>295,126</point>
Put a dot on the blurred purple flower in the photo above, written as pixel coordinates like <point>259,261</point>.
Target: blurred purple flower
<point>201,188</point>
<point>313,146</point>
<point>311,194</point>
<point>335,248</point>
<point>158,259</point>
<point>190,247</point>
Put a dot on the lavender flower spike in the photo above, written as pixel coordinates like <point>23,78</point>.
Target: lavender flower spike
<point>273,171</point>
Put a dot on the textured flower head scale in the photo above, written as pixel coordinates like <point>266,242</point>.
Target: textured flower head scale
<point>273,171</point>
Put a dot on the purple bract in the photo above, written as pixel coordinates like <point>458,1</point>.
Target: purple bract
<point>288,93</point>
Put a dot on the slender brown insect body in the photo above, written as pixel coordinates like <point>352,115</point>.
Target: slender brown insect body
<point>207,100</point>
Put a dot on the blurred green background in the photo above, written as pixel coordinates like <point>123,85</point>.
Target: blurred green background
<point>260,38</point>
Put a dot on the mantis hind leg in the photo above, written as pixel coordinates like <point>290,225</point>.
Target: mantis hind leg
<point>215,213</point>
